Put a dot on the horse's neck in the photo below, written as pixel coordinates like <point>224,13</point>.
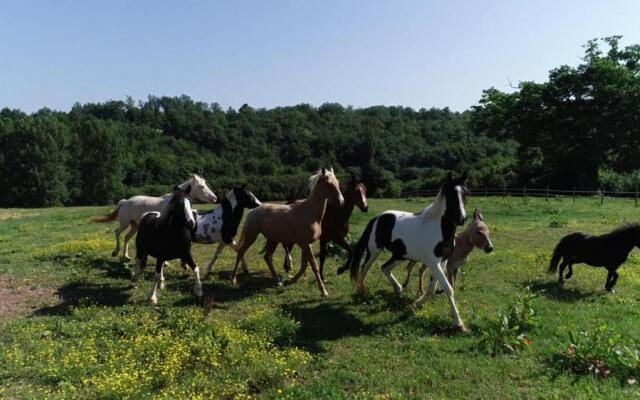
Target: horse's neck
<point>344,212</point>
<point>463,244</point>
<point>316,204</point>
<point>437,209</point>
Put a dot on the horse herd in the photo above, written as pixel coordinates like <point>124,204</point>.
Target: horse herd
<point>167,226</point>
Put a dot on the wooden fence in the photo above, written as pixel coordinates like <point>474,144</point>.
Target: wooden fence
<point>525,192</point>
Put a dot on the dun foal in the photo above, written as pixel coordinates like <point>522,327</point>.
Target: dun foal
<point>298,223</point>
<point>476,235</point>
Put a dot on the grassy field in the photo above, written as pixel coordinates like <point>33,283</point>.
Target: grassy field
<point>73,326</point>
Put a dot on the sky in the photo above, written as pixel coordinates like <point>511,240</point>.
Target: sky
<point>273,53</point>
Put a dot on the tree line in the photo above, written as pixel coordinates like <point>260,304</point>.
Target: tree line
<point>578,129</point>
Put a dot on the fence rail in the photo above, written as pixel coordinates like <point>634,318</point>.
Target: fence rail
<point>524,192</point>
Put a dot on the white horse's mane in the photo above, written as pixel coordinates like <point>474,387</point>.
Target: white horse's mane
<point>435,209</point>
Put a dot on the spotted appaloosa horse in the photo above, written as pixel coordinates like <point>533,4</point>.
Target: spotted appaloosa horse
<point>166,235</point>
<point>426,237</point>
<point>475,235</point>
<point>220,225</point>
<point>298,223</point>
<point>129,211</point>
<point>335,224</point>
<point>609,251</point>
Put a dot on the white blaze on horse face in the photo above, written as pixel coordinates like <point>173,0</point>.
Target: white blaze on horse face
<point>463,213</point>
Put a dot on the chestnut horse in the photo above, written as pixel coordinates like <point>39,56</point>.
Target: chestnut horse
<point>335,224</point>
<point>299,223</point>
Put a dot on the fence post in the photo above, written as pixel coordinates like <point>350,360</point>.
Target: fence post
<point>574,195</point>
<point>485,190</point>
<point>636,196</point>
<point>504,191</point>
<point>546,195</point>
<point>524,192</point>
<point>601,196</point>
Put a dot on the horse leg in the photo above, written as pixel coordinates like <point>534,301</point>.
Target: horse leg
<point>269,249</point>
<point>560,271</point>
<point>141,263</point>
<point>369,260</point>
<point>315,269</point>
<point>127,238</point>
<point>612,278</point>
<point>153,295</point>
<point>249,239</point>
<point>436,270</point>
<point>287,260</point>
<point>423,269</point>
<point>323,255</point>
<point>197,286</point>
<point>304,260</point>
<point>117,233</point>
<point>387,269</point>
<point>570,272</point>
<point>162,276</point>
<point>342,242</point>
<point>215,257</point>
<point>245,267</point>
<point>409,270</point>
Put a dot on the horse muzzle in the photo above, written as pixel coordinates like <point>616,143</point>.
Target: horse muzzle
<point>488,249</point>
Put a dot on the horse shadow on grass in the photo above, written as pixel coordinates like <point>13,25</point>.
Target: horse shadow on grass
<point>115,269</point>
<point>219,288</point>
<point>82,293</point>
<point>558,292</point>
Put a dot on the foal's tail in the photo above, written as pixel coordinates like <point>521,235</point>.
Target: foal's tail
<point>109,217</point>
<point>353,264</point>
<point>555,258</point>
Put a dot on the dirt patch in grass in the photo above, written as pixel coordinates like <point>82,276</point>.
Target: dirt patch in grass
<point>20,300</point>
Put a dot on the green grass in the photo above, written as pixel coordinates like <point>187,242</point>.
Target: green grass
<point>104,341</point>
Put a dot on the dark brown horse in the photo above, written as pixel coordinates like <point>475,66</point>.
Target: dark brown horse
<point>335,224</point>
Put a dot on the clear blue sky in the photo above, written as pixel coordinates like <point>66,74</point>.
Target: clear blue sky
<point>270,53</point>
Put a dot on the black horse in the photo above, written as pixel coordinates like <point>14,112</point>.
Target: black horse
<point>166,235</point>
<point>609,251</point>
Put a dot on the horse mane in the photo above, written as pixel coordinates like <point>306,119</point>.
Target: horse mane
<point>623,231</point>
<point>313,180</point>
<point>435,209</point>
<point>166,217</point>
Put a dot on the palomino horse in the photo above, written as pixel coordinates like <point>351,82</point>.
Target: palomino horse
<point>426,236</point>
<point>299,223</point>
<point>220,225</point>
<point>130,211</point>
<point>476,235</point>
<point>335,224</point>
<point>609,251</point>
<point>166,235</point>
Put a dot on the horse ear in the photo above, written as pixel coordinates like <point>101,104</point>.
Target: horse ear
<point>464,176</point>
<point>244,186</point>
<point>331,169</point>
<point>448,178</point>
<point>188,189</point>
<point>324,171</point>
<point>476,215</point>
<point>176,187</point>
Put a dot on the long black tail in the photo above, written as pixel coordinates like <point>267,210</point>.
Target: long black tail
<point>557,255</point>
<point>358,250</point>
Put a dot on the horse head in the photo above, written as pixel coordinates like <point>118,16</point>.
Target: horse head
<point>245,198</point>
<point>325,185</point>
<point>480,233</point>
<point>200,189</point>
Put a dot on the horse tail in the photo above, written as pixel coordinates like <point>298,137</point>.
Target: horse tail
<point>358,250</point>
<point>109,217</point>
<point>557,255</point>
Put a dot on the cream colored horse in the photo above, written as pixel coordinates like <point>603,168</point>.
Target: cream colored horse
<point>130,211</point>
<point>298,223</point>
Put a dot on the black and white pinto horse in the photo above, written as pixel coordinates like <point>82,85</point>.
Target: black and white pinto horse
<point>427,237</point>
<point>220,225</point>
<point>609,251</point>
<point>166,235</point>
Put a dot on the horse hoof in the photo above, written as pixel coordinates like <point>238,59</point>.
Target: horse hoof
<point>462,328</point>
<point>114,253</point>
<point>234,282</point>
<point>153,301</point>
<point>126,257</point>
<point>162,285</point>
<point>324,294</point>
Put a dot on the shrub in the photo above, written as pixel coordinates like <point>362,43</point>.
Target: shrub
<point>509,331</point>
<point>591,353</point>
